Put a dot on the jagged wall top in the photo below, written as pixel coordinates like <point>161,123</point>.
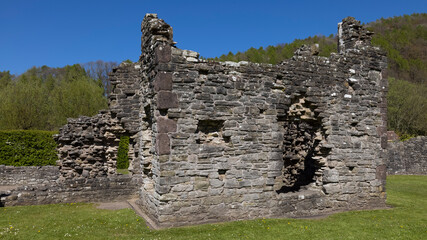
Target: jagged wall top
<point>351,35</point>
<point>155,30</point>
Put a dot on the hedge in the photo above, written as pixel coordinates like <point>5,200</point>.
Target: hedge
<point>122,153</point>
<point>27,148</point>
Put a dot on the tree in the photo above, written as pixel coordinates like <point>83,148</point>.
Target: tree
<point>43,98</point>
<point>407,107</point>
<point>24,104</point>
<point>5,79</point>
<point>99,71</point>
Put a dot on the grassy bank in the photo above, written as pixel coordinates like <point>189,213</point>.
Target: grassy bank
<point>407,220</point>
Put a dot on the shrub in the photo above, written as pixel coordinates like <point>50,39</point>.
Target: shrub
<point>122,153</point>
<point>27,148</point>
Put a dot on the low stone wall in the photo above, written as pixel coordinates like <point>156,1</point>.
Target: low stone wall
<point>44,185</point>
<point>113,188</point>
<point>10,175</point>
<point>408,157</point>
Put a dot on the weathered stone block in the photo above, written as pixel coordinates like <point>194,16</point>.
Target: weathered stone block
<point>163,144</point>
<point>381,173</point>
<point>165,125</point>
<point>163,53</point>
<point>166,99</point>
<point>163,81</point>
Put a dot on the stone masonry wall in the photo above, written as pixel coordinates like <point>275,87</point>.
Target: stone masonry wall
<point>10,175</point>
<point>408,157</point>
<point>226,141</point>
<point>44,185</point>
<point>124,104</point>
<point>88,146</point>
<point>48,191</point>
<point>243,140</point>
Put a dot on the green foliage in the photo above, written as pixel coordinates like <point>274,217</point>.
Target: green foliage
<point>127,61</point>
<point>122,171</point>
<point>276,54</point>
<point>407,108</point>
<point>43,98</point>
<point>404,39</point>
<point>122,153</point>
<point>24,105</point>
<point>5,79</point>
<point>27,148</point>
<point>406,220</point>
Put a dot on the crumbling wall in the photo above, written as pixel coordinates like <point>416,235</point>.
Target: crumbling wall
<point>87,149</point>
<point>225,141</point>
<point>243,140</point>
<point>124,104</point>
<point>408,157</point>
<point>48,190</point>
<point>88,146</point>
<point>12,176</point>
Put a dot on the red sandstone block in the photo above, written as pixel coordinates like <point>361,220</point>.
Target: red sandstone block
<point>162,144</point>
<point>163,81</point>
<point>166,99</point>
<point>163,54</point>
<point>165,125</point>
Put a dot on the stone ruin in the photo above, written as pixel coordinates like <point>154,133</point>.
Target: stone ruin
<point>213,141</point>
<point>408,157</point>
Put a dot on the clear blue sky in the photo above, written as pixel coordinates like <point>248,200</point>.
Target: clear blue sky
<point>56,32</point>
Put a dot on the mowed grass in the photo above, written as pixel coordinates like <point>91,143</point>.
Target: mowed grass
<point>406,220</point>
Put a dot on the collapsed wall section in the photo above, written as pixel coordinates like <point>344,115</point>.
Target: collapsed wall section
<point>242,140</point>
<point>124,104</point>
<point>87,149</point>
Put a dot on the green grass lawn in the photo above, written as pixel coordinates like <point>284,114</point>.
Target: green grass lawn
<point>407,220</point>
<point>122,171</point>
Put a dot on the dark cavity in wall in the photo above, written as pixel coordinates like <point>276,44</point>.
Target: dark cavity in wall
<point>147,162</point>
<point>303,155</point>
<point>148,119</point>
<point>211,131</point>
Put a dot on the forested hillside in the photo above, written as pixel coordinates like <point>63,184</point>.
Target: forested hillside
<point>43,98</point>
<point>276,54</point>
<point>404,39</point>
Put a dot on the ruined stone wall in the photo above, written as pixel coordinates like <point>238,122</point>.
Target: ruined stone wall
<point>11,175</point>
<point>124,104</point>
<point>225,141</point>
<point>243,140</point>
<point>87,146</point>
<point>47,190</point>
<point>408,157</point>
<point>124,100</point>
<point>87,149</point>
